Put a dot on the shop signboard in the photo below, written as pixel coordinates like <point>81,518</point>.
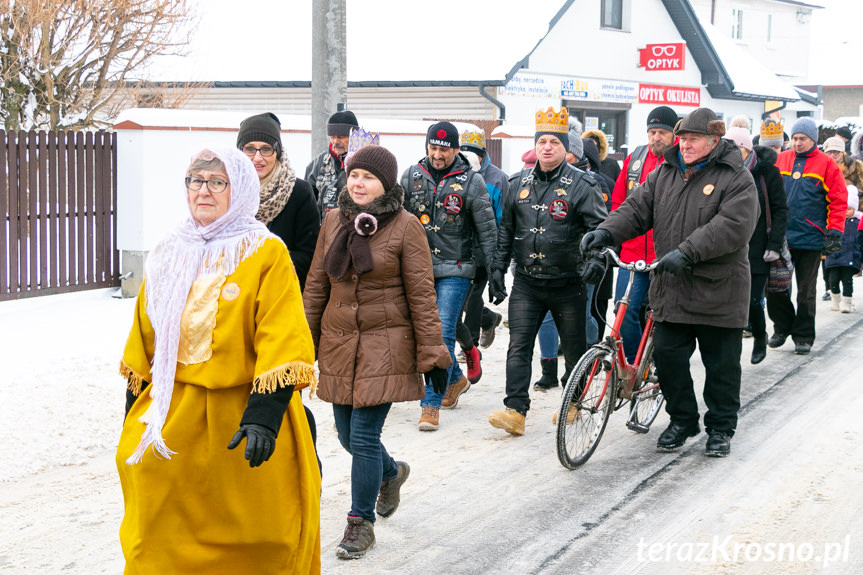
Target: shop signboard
<point>669,95</point>
<point>570,88</point>
<point>670,56</point>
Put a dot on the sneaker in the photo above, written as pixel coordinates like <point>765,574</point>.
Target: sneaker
<point>428,419</point>
<point>359,537</point>
<point>474,369</point>
<point>389,494</point>
<point>460,357</point>
<point>718,443</point>
<point>509,420</point>
<point>572,415</point>
<point>802,348</point>
<point>747,333</point>
<point>777,340</point>
<point>486,336</point>
<point>826,296</point>
<point>675,436</point>
<point>454,391</point>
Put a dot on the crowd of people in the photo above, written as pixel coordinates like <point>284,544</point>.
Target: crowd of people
<point>358,281</point>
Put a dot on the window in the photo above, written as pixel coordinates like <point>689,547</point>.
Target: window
<point>612,14</point>
<point>737,24</point>
<point>770,28</point>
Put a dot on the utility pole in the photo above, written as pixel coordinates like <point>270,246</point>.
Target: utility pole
<point>329,67</point>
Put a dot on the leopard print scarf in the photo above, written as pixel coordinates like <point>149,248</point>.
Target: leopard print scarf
<point>276,190</point>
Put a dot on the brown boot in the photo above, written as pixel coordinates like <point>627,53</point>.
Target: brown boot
<point>429,419</point>
<point>453,392</point>
<point>509,420</point>
<point>390,493</point>
<point>359,537</point>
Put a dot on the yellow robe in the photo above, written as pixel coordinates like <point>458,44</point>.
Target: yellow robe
<point>205,510</point>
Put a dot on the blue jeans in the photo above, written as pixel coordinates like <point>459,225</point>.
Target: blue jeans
<point>360,434</point>
<point>451,293</point>
<point>632,328</point>
<point>548,338</point>
<point>591,327</point>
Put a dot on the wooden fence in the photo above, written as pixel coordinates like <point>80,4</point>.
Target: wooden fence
<point>58,193</point>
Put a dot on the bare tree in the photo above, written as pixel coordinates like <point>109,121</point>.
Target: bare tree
<point>63,62</point>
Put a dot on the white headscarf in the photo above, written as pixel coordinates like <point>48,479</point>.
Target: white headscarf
<point>176,262</point>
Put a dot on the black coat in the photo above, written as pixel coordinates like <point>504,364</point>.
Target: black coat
<point>298,225</point>
<point>765,168</point>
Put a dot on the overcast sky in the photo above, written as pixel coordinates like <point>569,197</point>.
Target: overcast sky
<point>441,40</point>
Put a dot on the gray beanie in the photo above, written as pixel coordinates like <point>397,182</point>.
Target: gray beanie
<point>576,146</point>
<point>807,127</point>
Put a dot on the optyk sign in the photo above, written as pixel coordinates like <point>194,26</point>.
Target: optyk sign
<point>663,56</point>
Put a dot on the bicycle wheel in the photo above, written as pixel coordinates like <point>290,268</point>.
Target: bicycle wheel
<point>646,396</point>
<point>588,401</point>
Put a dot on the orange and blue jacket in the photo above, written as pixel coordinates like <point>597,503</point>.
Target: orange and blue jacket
<point>817,197</point>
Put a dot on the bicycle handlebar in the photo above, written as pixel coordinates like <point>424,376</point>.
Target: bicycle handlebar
<point>638,266</point>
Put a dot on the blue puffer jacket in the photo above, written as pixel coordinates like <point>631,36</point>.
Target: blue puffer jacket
<point>849,255</point>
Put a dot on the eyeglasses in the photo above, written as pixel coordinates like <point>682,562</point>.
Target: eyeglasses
<point>215,185</point>
<point>266,151</point>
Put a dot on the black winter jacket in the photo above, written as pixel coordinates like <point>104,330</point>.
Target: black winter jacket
<point>774,189</point>
<point>298,225</point>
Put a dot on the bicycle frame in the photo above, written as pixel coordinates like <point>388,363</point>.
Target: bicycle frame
<point>624,370</point>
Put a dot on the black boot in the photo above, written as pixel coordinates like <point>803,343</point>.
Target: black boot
<point>549,375</point>
<point>759,348</point>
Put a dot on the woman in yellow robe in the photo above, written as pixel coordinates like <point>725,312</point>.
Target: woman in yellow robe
<point>218,344</point>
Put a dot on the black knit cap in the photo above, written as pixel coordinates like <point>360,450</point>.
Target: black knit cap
<point>341,123</point>
<point>377,160</point>
<point>261,128</point>
<point>662,118</point>
<point>442,134</point>
<point>845,132</point>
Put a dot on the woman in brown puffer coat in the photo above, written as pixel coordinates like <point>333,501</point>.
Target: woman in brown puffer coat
<point>371,306</point>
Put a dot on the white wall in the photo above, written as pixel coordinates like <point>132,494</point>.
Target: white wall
<point>154,148</point>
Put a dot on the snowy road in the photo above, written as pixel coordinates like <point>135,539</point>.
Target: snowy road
<point>479,501</point>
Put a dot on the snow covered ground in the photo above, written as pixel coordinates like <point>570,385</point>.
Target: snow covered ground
<point>478,500</point>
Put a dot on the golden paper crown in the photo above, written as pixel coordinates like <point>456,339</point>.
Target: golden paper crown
<point>551,121</point>
<point>772,130</point>
<point>469,138</point>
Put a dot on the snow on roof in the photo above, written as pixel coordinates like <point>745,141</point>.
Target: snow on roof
<point>749,76</point>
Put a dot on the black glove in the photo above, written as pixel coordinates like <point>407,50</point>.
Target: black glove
<point>437,377</point>
<point>674,262</point>
<point>593,270</point>
<point>832,242</point>
<point>260,442</point>
<point>595,240</point>
<point>496,286</point>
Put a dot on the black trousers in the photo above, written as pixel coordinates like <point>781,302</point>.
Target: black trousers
<point>757,323</point>
<point>674,344</point>
<point>841,275</point>
<point>799,324</point>
<point>528,304</point>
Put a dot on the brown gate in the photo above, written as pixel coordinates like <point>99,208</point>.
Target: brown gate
<point>58,194</point>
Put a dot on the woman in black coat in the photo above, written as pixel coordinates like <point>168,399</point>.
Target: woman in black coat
<point>288,207</point>
<point>764,246</point>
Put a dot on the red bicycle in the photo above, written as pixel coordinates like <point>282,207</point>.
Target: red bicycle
<point>603,381</point>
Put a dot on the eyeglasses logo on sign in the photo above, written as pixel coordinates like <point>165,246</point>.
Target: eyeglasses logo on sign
<point>663,56</point>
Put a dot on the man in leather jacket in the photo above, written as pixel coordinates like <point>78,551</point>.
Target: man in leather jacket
<point>326,172</point>
<point>546,211</point>
<point>452,203</point>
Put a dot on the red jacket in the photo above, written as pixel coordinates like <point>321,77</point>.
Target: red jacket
<point>817,197</point>
<point>640,248</point>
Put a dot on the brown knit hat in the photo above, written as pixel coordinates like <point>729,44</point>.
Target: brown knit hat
<point>377,160</point>
<point>701,121</point>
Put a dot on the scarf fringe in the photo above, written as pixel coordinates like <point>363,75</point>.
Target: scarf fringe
<point>296,373</point>
<point>135,380</point>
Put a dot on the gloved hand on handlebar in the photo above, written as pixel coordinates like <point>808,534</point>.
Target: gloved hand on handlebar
<point>673,262</point>
<point>595,240</point>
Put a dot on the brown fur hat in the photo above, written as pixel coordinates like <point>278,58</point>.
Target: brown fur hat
<point>852,170</point>
<point>701,121</point>
<point>601,142</point>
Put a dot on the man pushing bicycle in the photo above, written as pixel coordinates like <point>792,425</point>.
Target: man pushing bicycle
<point>701,203</point>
